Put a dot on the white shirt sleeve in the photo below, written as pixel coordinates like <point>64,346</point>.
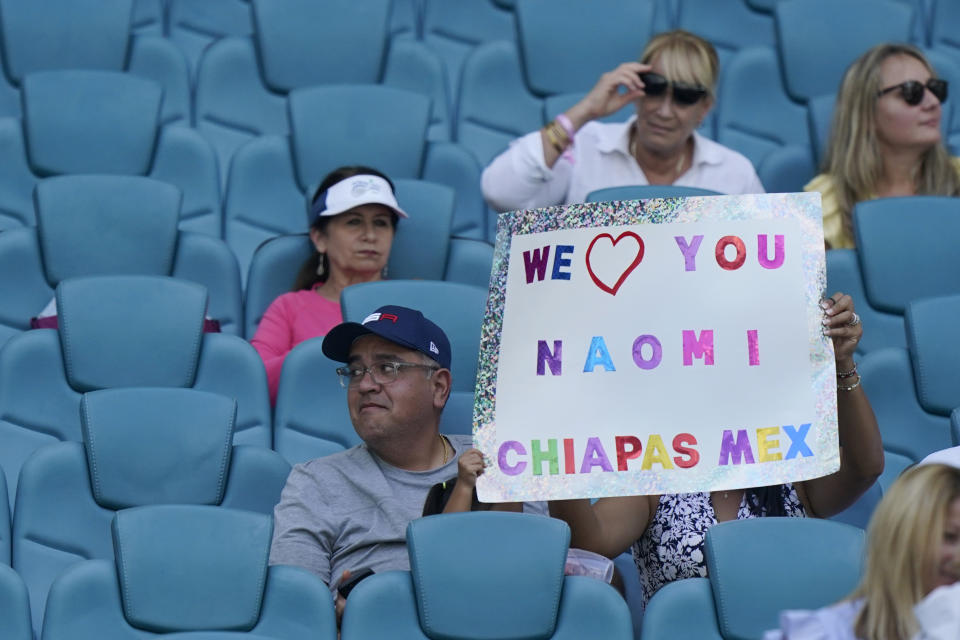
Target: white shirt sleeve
<point>519,178</point>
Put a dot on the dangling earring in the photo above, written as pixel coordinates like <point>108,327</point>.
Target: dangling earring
<point>320,269</point>
<point>383,272</point>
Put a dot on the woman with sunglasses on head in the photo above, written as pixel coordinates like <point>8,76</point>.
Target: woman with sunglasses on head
<point>355,214</point>
<point>672,87</point>
<point>885,138</point>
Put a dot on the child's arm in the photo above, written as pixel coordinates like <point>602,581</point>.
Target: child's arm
<point>469,467</point>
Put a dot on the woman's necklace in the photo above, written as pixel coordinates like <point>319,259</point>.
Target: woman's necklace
<point>681,159</point>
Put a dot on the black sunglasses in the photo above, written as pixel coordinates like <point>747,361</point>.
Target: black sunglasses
<point>912,91</point>
<point>684,94</point>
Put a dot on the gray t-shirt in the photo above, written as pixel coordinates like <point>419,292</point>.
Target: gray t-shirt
<point>350,510</point>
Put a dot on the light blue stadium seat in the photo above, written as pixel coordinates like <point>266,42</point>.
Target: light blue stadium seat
<point>469,262</point>
<point>641,192</point>
<point>944,18</point>
<point>820,121</point>
<point>188,568</point>
<point>454,30</point>
<point>682,609</point>
<point>756,117</point>
<point>110,125</point>
<point>141,446</point>
<point>883,329</point>
<point>516,586</point>
<point>109,225</point>
<point>730,27</point>
<point>792,563</point>
<point>311,418</point>
<point>121,331</point>
<point>912,390</point>
<point>815,52</point>
<point>148,17</point>
<point>632,590</point>
<point>494,104</point>
<point>421,248</point>
<point>242,83</point>
<point>457,308</point>
<point>406,19</point>
<point>566,45</point>
<point>858,514</point>
<point>377,126</point>
<point>194,24</point>
<point>4,523</point>
<point>14,606</point>
<point>67,34</point>
<point>908,227</point>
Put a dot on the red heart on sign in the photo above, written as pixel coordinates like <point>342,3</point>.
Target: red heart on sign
<point>626,272</point>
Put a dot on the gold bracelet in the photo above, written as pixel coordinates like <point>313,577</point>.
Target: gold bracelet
<point>851,387</point>
<point>552,138</point>
<point>562,134</point>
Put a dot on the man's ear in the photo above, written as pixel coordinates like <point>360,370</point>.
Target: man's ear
<point>441,387</point>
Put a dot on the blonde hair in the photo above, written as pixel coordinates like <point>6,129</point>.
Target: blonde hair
<point>853,157</point>
<point>902,542</point>
<point>686,57</point>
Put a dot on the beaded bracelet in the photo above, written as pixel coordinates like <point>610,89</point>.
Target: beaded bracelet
<point>552,138</point>
<point>847,374</point>
<point>851,387</point>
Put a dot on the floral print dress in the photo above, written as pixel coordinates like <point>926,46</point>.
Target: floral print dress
<point>672,547</point>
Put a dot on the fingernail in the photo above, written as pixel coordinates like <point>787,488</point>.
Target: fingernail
<point>824,305</point>
<point>826,321</point>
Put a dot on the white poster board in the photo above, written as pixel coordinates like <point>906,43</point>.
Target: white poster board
<point>656,346</point>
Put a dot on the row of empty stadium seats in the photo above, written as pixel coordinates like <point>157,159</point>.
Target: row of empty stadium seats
<point>175,567</point>
<point>102,225</point>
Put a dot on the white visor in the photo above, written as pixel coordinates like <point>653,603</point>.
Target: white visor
<point>354,191</point>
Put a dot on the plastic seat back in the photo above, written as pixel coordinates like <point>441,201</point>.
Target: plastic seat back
<point>311,418</point>
<point>14,606</point>
<point>458,310</point>
<point>111,225</point>
<point>815,52</point>
<point>819,561</point>
<point>682,609</point>
<point>4,523</point>
<point>121,331</point>
<point>516,566</point>
<point>64,35</point>
<point>935,361</point>
<point>843,274</point>
<point>820,119</point>
<point>903,226</point>
<point>858,514</point>
<point>111,125</point>
<point>755,115</point>
<point>455,30</point>
<point>194,25</point>
<point>494,105</point>
<point>566,45</point>
<point>335,125</point>
<point>140,446</point>
<point>188,568</point>
<point>641,192</point>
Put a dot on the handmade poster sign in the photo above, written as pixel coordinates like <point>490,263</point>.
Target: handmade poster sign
<point>665,345</point>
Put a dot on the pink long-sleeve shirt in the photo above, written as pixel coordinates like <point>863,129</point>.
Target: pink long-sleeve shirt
<point>288,321</point>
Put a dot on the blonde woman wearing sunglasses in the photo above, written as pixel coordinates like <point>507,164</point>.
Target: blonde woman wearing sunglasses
<point>885,139</point>
<point>672,87</point>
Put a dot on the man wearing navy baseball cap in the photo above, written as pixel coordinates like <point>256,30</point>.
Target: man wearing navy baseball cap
<point>347,513</point>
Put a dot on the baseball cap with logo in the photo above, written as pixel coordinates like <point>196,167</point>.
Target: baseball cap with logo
<point>352,192</point>
<point>406,327</point>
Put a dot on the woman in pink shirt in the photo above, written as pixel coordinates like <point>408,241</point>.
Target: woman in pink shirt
<point>355,215</point>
